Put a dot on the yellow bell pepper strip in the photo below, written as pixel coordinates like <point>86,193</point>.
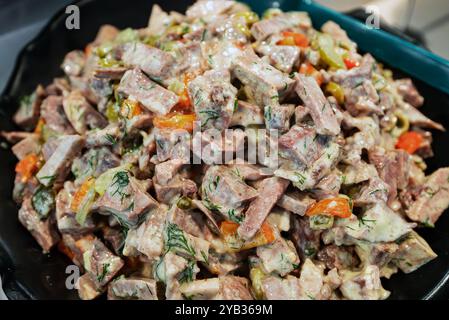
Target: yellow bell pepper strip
<point>130,109</point>
<point>175,121</point>
<point>337,207</point>
<point>336,91</point>
<point>326,48</point>
<point>249,16</point>
<point>293,39</point>
<point>409,141</point>
<point>39,126</point>
<point>229,231</point>
<point>309,70</point>
<point>28,167</point>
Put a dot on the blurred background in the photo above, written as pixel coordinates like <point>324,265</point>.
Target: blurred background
<point>426,21</point>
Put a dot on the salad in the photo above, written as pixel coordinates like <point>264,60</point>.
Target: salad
<point>144,163</point>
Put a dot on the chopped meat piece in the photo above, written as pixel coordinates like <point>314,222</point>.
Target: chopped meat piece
<point>106,32</point>
<point>234,288</point>
<point>270,191</point>
<point>104,137</point>
<point>172,144</point>
<point>213,97</point>
<point>201,289</point>
<point>88,289</point>
<point>28,114</point>
<point>106,73</point>
<point>359,172</point>
<point>132,289</point>
<point>306,240</point>
<point>322,114</point>
<point>126,199</point>
<point>81,114</point>
<point>278,117</point>
<point>221,54</point>
<point>246,114</point>
<point>408,91</point>
<point>266,83</point>
<point>375,191</point>
<point>329,186</point>
<point>251,172</point>
<point>153,61</point>
<point>207,8</point>
<point>93,163</point>
<point>355,77</point>
<point>148,237</point>
<point>340,257</point>
<point>98,261</point>
<point>43,231</point>
<point>151,95</point>
<point>73,63</point>
<point>379,224</point>
<point>363,285</point>
<point>58,165</point>
<point>283,58</point>
<point>224,191</point>
<point>363,100</point>
<point>301,145</point>
<point>165,171</point>
<point>266,27</point>
<point>279,256</point>
<point>433,199</point>
<point>338,34</point>
<point>54,116</point>
<point>276,288</point>
<point>176,187</point>
<point>413,252</point>
<point>27,146</point>
<point>297,203</point>
<point>15,136</point>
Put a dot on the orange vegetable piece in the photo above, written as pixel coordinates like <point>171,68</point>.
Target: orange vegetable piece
<point>39,126</point>
<point>28,166</point>
<point>294,39</point>
<point>175,120</point>
<point>264,236</point>
<point>338,207</point>
<point>81,193</point>
<point>409,141</point>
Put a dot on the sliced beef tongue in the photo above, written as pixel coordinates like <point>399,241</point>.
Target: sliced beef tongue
<point>172,144</point>
<point>44,231</point>
<point>153,61</point>
<point>407,90</point>
<point>353,78</point>
<point>266,84</point>
<point>279,256</point>
<point>155,98</point>
<point>295,202</point>
<point>52,111</point>
<point>98,261</point>
<point>278,117</point>
<point>321,111</point>
<point>30,144</point>
<point>73,63</point>
<point>28,114</point>
<point>393,168</point>
<point>301,145</point>
<point>418,119</point>
<point>213,97</point>
<point>165,171</point>
<point>376,190</point>
<point>148,238</point>
<point>283,58</point>
<point>208,8</point>
<point>433,199</point>
<point>270,191</point>
<point>132,289</point>
<point>224,191</point>
<point>57,167</point>
<point>81,114</point>
<point>363,100</point>
<point>247,114</point>
<point>266,27</point>
<point>108,136</point>
<point>126,199</point>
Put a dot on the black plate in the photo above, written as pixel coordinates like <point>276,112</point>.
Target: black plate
<point>27,273</point>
